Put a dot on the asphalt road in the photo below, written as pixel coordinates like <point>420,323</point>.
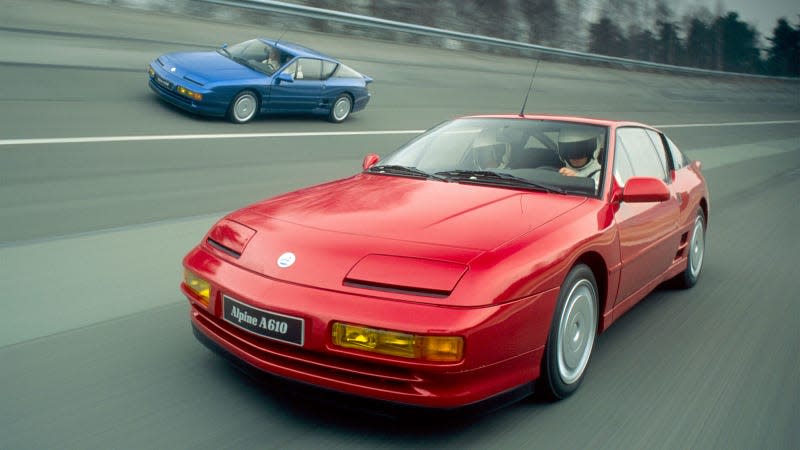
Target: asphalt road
<point>95,345</point>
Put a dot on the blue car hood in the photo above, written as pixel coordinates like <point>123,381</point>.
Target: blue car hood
<point>207,67</point>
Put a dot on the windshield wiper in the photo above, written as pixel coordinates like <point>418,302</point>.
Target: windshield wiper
<point>405,170</point>
<point>497,178</point>
<point>233,57</point>
<point>242,61</point>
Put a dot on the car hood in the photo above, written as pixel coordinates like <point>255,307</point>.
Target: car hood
<point>414,210</point>
<point>205,67</point>
<point>369,225</point>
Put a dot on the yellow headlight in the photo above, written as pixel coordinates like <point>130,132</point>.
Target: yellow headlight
<point>191,94</point>
<point>198,285</point>
<point>396,343</point>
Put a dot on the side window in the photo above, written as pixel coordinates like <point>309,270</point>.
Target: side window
<point>623,169</point>
<point>658,143</point>
<point>305,69</point>
<point>291,69</point>
<point>308,69</point>
<point>642,155</point>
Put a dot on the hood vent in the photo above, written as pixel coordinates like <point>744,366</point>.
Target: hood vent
<point>434,293</point>
<point>222,248</point>
<point>230,237</point>
<point>194,80</point>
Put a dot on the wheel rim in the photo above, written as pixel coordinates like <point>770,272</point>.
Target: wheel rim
<point>697,248</point>
<point>341,108</point>
<point>244,108</point>
<point>576,331</point>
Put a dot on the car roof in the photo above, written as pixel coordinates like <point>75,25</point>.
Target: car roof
<point>297,49</point>
<point>562,118</point>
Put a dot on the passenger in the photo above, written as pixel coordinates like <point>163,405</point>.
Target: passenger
<point>489,152</point>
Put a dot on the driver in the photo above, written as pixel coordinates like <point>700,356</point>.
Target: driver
<point>577,150</point>
<point>273,59</point>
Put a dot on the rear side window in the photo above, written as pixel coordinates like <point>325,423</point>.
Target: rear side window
<point>679,159</point>
<point>328,67</point>
<point>345,72</point>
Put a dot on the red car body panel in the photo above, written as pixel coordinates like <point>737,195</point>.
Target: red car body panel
<point>426,257</point>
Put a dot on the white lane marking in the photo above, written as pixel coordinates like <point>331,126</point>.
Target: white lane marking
<point>729,124</point>
<point>184,137</point>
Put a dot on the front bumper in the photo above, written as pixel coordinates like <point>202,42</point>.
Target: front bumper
<point>503,346</point>
<point>355,402</point>
<point>207,107</point>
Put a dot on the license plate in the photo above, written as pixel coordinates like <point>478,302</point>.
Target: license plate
<point>163,82</point>
<point>268,324</point>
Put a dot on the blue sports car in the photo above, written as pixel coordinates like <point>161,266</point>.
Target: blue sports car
<point>259,76</point>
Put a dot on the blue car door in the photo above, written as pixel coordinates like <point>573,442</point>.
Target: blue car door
<point>303,92</point>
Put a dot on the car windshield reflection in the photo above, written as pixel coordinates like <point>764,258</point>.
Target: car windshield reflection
<point>555,156</point>
<point>257,55</point>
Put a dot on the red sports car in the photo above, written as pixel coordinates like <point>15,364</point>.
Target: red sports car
<point>476,262</point>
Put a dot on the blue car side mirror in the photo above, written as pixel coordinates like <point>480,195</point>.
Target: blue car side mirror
<point>283,76</point>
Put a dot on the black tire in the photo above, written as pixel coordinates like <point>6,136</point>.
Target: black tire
<point>341,109</point>
<point>696,250</point>
<point>572,335</point>
<point>243,107</point>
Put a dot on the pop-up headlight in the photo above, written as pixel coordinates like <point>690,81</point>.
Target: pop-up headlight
<point>415,276</point>
<point>230,237</point>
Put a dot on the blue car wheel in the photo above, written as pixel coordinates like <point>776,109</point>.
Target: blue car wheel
<point>243,107</point>
<point>341,108</point>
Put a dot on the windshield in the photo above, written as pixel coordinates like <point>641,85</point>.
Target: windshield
<point>257,55</point>
<point>523,153</point>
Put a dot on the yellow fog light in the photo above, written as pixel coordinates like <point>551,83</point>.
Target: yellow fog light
<point>150,71</point>
<point>396,343</point>
<point>191,94</point>
<point>197,285</point>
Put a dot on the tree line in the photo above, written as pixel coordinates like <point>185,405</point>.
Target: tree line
<point>724,43</point>
<point>645,30</point>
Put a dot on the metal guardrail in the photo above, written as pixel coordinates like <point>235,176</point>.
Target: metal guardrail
<point>372,22</point>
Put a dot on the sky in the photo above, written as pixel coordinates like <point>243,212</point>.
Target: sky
<point>762,14</point>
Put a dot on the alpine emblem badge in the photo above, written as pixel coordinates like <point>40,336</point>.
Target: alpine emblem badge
<point>286,260</point>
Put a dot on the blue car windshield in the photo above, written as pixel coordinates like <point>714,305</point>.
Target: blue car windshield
<point>257,55</point>
<point>508,152</point>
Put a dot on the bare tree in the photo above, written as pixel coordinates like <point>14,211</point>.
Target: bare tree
<point>573,24</point>
<point>544,20</point>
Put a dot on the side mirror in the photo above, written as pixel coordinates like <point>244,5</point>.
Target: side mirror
<point>644,190</point>
<point>283,76</point>
<point>370,160</point>
<point>225,45</point>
